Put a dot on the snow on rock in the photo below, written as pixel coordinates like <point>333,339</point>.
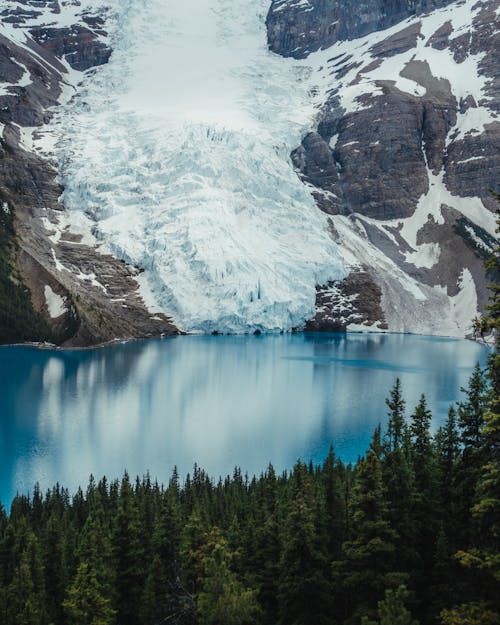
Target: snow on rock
<point>179,150</point>
<point>405,109</point>
<point>426,255</point>
<point>55,303</point>
<point>462,303</point>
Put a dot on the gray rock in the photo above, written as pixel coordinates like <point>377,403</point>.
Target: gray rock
<point>78,45</point>
<point>354,300</point>
<point>296,29</point>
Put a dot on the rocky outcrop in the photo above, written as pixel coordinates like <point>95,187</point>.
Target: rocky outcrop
<point>78,45</point>
<point>353,302</point>
<point>297,27</point>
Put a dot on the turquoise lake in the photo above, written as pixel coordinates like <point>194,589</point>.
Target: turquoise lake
<point>219,401</point>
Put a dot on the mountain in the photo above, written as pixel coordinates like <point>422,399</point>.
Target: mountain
<point>79,294</point>
<point>402,154</point>
<point>225,166</point>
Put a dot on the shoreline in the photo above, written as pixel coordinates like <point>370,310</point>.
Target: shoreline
<point>53,347</point>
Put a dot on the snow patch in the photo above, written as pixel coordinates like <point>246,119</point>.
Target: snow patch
<point>56,304</point>
<point>427,255</point>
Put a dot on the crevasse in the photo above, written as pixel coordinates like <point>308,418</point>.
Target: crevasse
<point>178,149</point>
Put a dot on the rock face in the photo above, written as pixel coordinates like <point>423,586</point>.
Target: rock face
<point>78,45</point>
<point>354,301</point>
<point>85,296</point>
<point>404,151</point>
<point>297,27</point>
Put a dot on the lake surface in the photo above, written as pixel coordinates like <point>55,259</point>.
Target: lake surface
<point>219,401</point>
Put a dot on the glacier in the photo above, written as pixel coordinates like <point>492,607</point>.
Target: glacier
<point>178,151</point>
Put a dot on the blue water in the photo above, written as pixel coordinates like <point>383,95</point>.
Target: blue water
<point>218,401</point>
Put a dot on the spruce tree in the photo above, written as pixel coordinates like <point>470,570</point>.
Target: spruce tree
<point>426,516</point>
<point>304,584</point>
<point>392,610</point>
<point>471,410</point>
<point>472,457</point>
<point>165,598</point>
<point>85,604</point>
<point>334,512</point>
<point>367,567</point>
<point>484,556</point>
<point>396,405</point>
<point>222,597</point>
<point>26,599</point>
<point>399,479</point>
<point>128,555</point>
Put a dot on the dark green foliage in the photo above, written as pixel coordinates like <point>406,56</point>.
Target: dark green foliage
<point>222,597</point>
<point>85,603</point>
<point>392,610</point>
<point>427,514</point>
<point>368,563</point>
<point>304,589</point>
<point>399,478</point>
<point>463,227</point>
<point>395,427</point>
<point>128,555</point>
<point>483,555</point>
<point>18,320</point>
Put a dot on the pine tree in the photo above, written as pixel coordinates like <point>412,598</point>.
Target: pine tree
<point>392,610</point>
<point>304,584</point>
<point>165,598</point>
<point>396,405</point>
<point>470,421</point>
<point>424,462</point>
<point>128,555</point>
<point>192,540</point>
<point>222,597</point>
<point>95,550</point>
<point>471,411</point>
<point>266,543</point>
<point>85,604</point>
<point>484,557</point>
<point>367,566</point>
<point>56,576</point>
<point>426,517</point>
<point>399,479</point>
<point>447,446</point>
<point>444,575</point>
<point>334,513</point>
<point>26,598</point>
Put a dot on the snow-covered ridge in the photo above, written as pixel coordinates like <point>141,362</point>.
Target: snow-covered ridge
<point>433,61</point>
<point>179,150</point>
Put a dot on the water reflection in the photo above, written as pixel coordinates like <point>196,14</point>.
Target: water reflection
<point>217,401</point>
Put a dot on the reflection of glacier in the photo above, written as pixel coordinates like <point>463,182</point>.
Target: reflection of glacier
<point>217,401</point>
<point>179,150</point>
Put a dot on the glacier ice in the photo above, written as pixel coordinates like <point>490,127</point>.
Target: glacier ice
<point>178,149</point>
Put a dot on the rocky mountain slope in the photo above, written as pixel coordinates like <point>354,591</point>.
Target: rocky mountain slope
<point>402,154</point>
<point>162,163</point>
<point>76,294</point>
